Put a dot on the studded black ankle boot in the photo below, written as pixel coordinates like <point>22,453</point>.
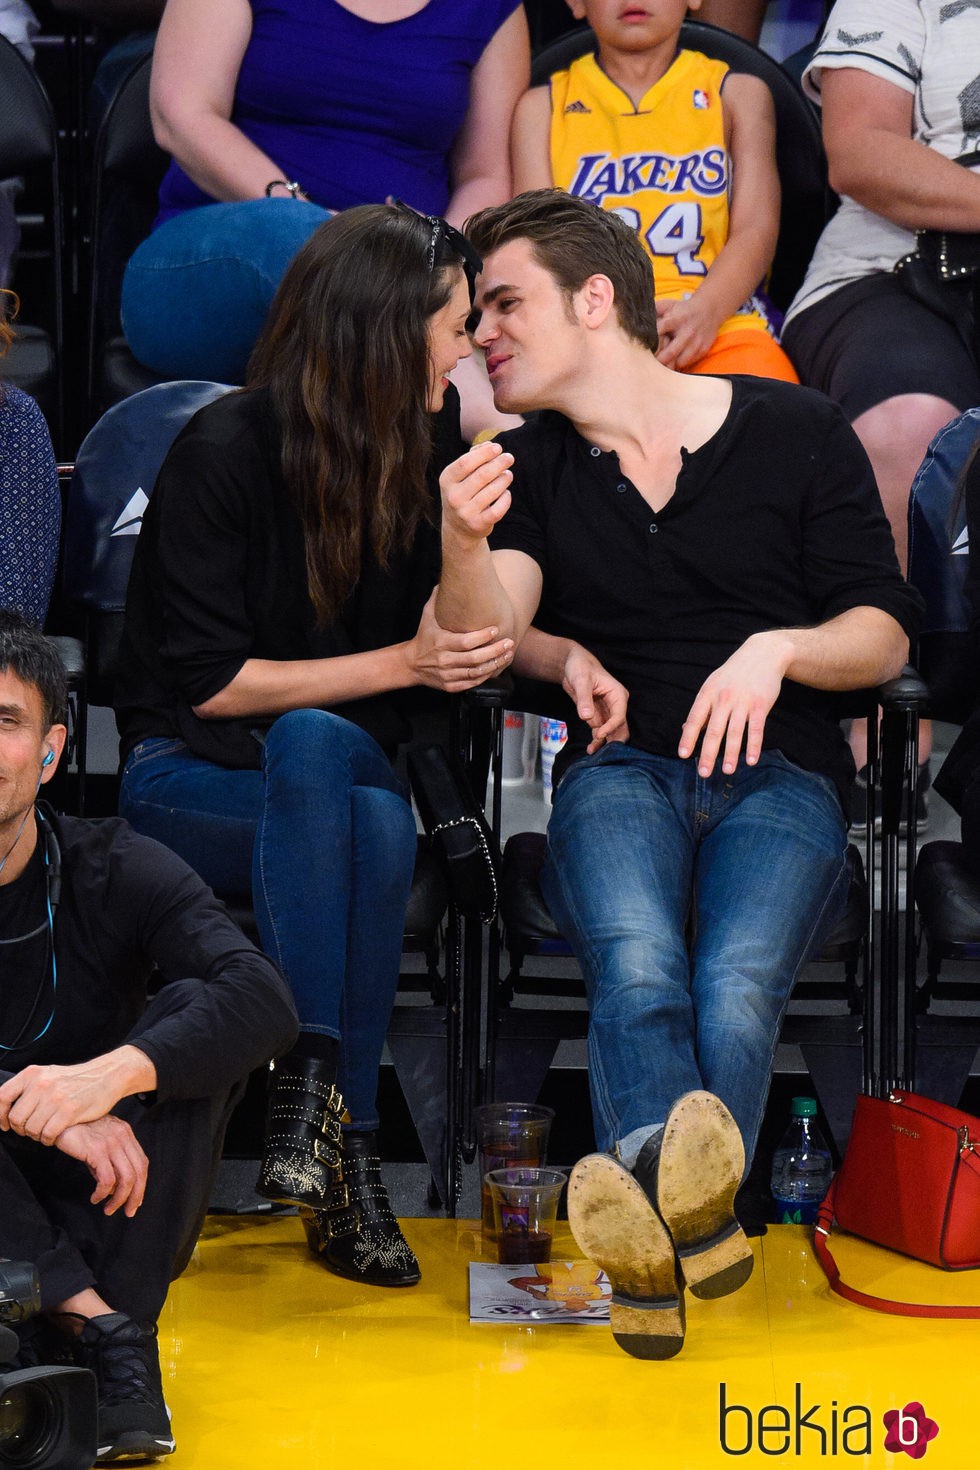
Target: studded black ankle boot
<point>360,1238</point>
<point>302,1163</point>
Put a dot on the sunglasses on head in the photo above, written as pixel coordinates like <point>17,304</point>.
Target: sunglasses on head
<point>442,231</point>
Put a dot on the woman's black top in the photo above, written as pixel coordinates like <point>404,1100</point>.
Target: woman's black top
<point>219,577</point>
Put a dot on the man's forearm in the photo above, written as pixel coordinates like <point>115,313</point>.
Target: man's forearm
<point>542,656</point>
<point>855,650</point>
<point>470,595</point>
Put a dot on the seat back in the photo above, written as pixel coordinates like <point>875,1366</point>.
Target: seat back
<point>114,475</point>
<point>938,565</point>
<point>127,168</point>
<point>29,150</point>
<point>807,202</point>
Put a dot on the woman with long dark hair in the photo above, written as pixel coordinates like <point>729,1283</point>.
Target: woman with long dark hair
<point>279,608</point>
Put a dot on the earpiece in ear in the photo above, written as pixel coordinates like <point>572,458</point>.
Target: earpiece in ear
<point>48,758</point>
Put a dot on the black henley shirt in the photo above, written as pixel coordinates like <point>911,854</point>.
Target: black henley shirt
<point>775,522</point>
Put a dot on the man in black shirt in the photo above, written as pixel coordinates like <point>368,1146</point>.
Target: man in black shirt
<point>97,1082</point>
<point>718,546</point>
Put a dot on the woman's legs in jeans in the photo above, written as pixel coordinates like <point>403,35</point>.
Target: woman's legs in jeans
<point>329,840</point>
<point>639,847</point>
<point>334,859</point>
<point>196,293</point>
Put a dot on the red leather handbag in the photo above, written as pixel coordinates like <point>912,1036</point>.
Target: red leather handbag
<point>910,1181</point>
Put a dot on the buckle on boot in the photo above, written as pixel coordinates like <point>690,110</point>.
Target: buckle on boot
<point>330,1157</point>
<point>348,1222</point>
<point>337,1198</point>
<point>330,1126</point>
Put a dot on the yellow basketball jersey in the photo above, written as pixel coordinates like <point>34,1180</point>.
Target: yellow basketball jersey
<point>664,166</point>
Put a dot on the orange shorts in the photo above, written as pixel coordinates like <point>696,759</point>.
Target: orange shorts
<point>746,350</point>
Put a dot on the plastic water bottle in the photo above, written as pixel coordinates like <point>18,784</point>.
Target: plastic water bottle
<point>801,1167</point>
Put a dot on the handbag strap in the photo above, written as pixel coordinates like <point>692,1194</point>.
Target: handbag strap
<point>821,1244</point>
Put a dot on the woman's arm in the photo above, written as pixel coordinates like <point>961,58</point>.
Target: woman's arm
<point>196,61</point>
<point>873,158</point>
<point>480,166</point>
<point>451,662</point>
<point>530,141</point>
<point>689,327</point>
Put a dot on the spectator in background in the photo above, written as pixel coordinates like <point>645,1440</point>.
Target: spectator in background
<point>30,500</point>
<point>277,114</point>
<point>685,150</point>
<point>898,84</point>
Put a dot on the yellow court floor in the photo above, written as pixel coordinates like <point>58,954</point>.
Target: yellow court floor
<point>270,1361</point>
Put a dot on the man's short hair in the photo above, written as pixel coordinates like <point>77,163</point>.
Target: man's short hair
<point>573,240</point>
<point>35,660</point>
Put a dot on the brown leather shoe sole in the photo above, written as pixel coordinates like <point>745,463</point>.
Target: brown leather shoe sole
<point>616,1226</point>
<point>702,1159</point>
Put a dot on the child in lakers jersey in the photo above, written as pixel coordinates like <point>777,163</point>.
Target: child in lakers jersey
<point>684,149</point>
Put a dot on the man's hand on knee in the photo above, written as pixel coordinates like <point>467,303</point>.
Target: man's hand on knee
<point>109,1150</point>
<point>733,703</point>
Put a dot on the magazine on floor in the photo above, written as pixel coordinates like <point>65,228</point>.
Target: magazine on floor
<point>553,1291</point>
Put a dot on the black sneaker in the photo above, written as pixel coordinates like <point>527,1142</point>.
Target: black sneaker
<point>134,1421</point>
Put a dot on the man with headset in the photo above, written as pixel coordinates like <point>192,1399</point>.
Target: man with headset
<point>98,1083</point>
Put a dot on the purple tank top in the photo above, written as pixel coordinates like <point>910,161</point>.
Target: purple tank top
<point>353,109</point>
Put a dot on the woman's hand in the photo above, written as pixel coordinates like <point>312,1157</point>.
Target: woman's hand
<point>453,662</point>
<point>599,698</point>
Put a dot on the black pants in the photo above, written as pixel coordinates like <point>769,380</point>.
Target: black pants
<point>46,1216</point>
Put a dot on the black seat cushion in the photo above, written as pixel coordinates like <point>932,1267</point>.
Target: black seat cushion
<point>122,375</point>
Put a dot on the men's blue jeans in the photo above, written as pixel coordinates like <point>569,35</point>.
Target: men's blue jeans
<point>323,840</point>
<point>692,905</point>
<point>196,293</point>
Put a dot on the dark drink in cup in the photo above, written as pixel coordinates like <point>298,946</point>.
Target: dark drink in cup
<point>525,1203</point>
<point>523,1247</point>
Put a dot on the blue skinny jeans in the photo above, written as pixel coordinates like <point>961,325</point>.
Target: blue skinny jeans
<point>196,293</point>
<point>691,904</point>
<point>322,839</point>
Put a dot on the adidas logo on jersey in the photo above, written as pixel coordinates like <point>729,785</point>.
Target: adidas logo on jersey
<point>577,107</point>
<point>700,99</point>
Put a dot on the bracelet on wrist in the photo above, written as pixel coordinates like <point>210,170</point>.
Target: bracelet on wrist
<point>291,186</point>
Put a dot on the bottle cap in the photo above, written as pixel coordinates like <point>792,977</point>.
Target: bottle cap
<point>803,1107</point>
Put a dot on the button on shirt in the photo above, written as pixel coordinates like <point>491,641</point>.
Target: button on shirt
<point>774,522</point>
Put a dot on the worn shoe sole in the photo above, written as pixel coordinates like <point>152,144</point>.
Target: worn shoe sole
<point>702,1159</point>
<point>616,1226</point>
